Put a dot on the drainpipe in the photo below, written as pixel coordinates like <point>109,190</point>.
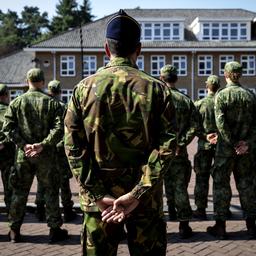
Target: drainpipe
<point>193,74</point>
<point>54,65</point>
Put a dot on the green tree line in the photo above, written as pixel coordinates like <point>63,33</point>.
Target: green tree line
<point>31,26</point>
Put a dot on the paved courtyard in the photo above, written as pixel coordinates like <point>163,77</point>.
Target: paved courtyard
<point>35,234</point>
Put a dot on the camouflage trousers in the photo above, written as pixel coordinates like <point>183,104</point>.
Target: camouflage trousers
<point>146,235</point>
<point>203,162</point>
<point>5,167</point>
<point>65,192</point>
<point>176,181</point>
<point>241,166</point>
<point>21,180</point>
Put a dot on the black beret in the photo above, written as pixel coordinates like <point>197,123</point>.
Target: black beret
<point>124,28</point>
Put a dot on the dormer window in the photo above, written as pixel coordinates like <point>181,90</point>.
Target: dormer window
<point>161,31</point>
<point>224,31</point>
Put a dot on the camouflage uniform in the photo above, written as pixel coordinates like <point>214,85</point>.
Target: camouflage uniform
<point>178,175</point>
<point>62,165</point>
<point>235,110</point>
<point>7,155</point>
<point>205,155</point>
<point>119,137</point>
<point>32,118</point>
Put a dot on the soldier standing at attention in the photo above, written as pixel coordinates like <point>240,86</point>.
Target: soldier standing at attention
<point>54,90</point>
<point>7,149</point>
<point>178,175</point>
<point>205,155</point>
<point>33,122</point>
<point>121,122</point>
<point>235,113</point>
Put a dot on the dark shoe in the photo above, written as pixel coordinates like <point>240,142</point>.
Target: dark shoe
<point>218,230</point>
<point>69,214</point>
<point>40,213</point>
<point>57,235</point>
<point>185,231</point>
<point>172,213</point>
<point>200,214</point>
<point>14,236</point>
<point>251,228</point>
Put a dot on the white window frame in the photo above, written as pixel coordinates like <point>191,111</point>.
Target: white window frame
<point>224,31</point>
<point>66,93</point>
<point>249,62</point>
<point>140,62</point>
<point>205,59</point>
<point>70,61</point>
<point>252,90</point>
<point>159,60</point>
<point>183,90</point>
<point>156,31</point>
<point>223,59</point>
<point>179,61</point>
<point>201,93</point>
<point>105,60</point>
<point>89,65</point>
<point>14,93</point>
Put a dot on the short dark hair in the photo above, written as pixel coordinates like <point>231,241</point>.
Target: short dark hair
<point>213,87</point>
<point>170,78</point>
<point>121,49</point>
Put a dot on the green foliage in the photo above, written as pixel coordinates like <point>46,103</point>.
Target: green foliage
<point>10,32</point>
<point>32,26</point>
<point>69,15</point>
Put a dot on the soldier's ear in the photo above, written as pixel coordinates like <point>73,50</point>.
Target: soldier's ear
<point>107,49</point>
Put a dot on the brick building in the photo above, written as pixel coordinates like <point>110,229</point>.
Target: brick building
<point>198,41</point>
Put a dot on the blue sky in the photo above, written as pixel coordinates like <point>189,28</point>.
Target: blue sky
<point>101,8</point>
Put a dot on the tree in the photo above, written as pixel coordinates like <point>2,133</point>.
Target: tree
<point>69,15</point>
<point>34,24</point>
<point>66,15</point>
<point>10,32</point>
<point>85,12</point>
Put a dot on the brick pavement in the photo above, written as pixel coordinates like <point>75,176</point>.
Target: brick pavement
<point>35,234</point>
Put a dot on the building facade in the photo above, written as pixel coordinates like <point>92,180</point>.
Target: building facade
<point>197,41</point>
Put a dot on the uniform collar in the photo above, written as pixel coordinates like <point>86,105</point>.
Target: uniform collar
<point>120,61</point>
<point>229,84</point>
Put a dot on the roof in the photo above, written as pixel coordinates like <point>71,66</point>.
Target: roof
<point>94,32</point>
<point>13,68</point>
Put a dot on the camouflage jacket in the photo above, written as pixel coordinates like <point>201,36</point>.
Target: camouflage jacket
<point>207,124</point>
<point>3,108</point>
<point>121,121</point>
<point>186,118</point>
<point>235,114</point>
<point>9,147</point>
<point>34,117</point>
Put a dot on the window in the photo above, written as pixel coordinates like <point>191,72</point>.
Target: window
<point>224,31</point>
<point>183,90</point>
<point>157,62</point>
<point>67,65</point>
<point>180,62</point>
<point>140,62</point>
<point>89,65</point>
<point>15,93</point>
<point>248,63</point>
<point>223,60</point>
<point>105,60</point>
<point>204,65</point>
<point>252,90</point>
<point>161,31</point>
<point>66,95</point>
<point>201,93</point>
